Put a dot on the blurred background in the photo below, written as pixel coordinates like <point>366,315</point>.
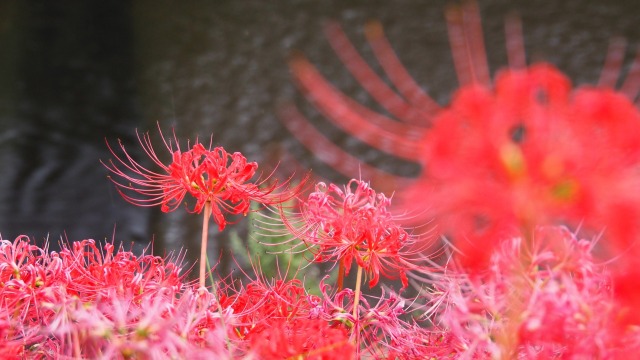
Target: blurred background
<point>73,74</point>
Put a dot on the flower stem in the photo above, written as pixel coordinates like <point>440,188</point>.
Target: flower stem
<point>76,345</point>
<point>340,281</point>
<point>203,243</point>
<point>214,292</point>
<point>356,300</point>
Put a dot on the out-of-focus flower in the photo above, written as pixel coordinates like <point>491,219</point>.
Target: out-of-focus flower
<point>542,299</point>
<point>208,175</point>
<point>302,338</point>
<point>507,154</point>
<point>529,152</point>
<point>354,223</point>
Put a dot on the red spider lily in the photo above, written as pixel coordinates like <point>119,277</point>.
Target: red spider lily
<point>160,325</point>
<point>88,303</point>
<point>277,319</point>
<point>544,153</point>
<point>258,302</point>
<point>209,175</point>
<point>27,282</point>
<point>383,329</point>
<point>559,305</point>
<point>355,224</point>
<point>302,338</point>
<point>505,155</point>
<point>94,271</point>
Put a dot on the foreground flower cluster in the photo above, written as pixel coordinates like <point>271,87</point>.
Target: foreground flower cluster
<point>552,300</point>
<point>546,300</point>
<point>86,302</point>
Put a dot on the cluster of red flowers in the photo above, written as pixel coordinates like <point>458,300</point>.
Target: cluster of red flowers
<point>354,223</point>
<point>84,302</point>
<point>559,305</point>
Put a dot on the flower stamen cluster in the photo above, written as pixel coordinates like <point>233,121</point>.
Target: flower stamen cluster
<point>354,223</point>
<point>208,175</point>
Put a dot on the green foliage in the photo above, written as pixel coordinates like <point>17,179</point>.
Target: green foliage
<point>268,249</point>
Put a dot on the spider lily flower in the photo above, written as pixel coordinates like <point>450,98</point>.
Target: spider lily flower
<point>259,301</point>
<point>91,302</point>
<point>544,152</point>
<point>209,175</point>
<point>302,338</point>
<point>383,329</point>
<point>25,285</point>
<point>560,305</point>
<point>276,318</point>
<point>354,223</point>
<point>525,148</point>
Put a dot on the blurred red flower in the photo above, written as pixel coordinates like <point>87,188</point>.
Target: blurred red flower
<point>302,338</point>
<point>523,149</point>
<point>540,299</point>
<point>531,151</point>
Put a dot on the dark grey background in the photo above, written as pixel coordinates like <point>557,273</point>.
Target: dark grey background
<point>75,73</point>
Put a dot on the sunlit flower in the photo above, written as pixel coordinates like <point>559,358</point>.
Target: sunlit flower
<point>209,175</point>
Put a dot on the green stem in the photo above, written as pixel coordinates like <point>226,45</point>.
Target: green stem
<point>214,291</point>
<point>203,243</point>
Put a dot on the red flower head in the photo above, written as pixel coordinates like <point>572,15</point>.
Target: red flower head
<point>302,338</point>
<point>209,175</point>
<point>354,223</point>
<point>531,151</point>
<point>559,305</point>
<point>523,149</point>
